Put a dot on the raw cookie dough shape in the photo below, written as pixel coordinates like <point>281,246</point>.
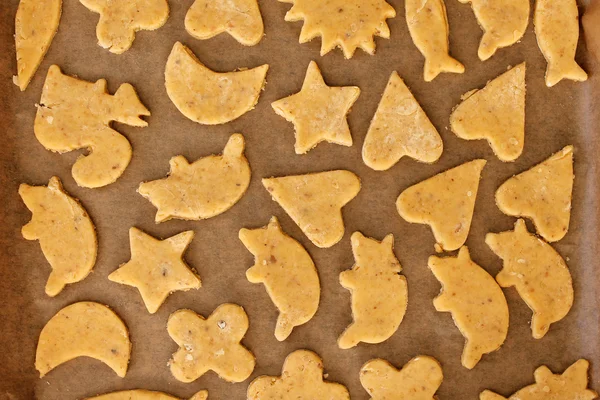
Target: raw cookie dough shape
<point>202,189</point>
<point>556,25</point>
<point>419,379</point>
<point>288,273</point>
<point>428,26</point>
<point>210,344</point>
<point>318,111</point>
<point>140,394</point>
<point>65,232</point>
<point>538,272</point>
<point>121,19</point>
<point>314,201</point>
<point>36,24</point>
<point>503,23</point>
<point>543,194</point>
<point>301,379</point>
<point>495,113</point>
<point>570,385</point>
<point>240,18</point>
<point>348,24</point>
<point>477,304</point>
<point>379,292</point>
<point>400,128</point>
<point>208,97</point>
<point>75,114</point>
<point>84,329</point>
<point>156,267</point>
<point>445,202</point>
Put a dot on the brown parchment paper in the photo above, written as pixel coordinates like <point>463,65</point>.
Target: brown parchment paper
<point>565,114</point>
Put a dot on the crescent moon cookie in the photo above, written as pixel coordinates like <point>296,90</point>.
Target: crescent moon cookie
<point>202,189</point>
<point>476,302</point>
<point>445,202</point>
<point>288,273</point>
<point>538,272</point>
<point>400,128</point>
<point>348,24</point>
<point>301,379</point>
<point>75,114</point>
<point>495,113</point>
<point>210,344</point>
<point>379,292</point>
<point>318,111</point>
<point>543,194</point>
<point>65,231</point>
<point>140,394</point>
<point>36,24</point>
<point>121,19</point>
<point>314,201</point>
<point>239,18</point>
<point>419,379</point>
<point>208,97</point>
<point>84,329</point>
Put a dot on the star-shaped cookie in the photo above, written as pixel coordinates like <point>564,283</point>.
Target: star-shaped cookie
<point>318,111</point>
<point>156,267</point>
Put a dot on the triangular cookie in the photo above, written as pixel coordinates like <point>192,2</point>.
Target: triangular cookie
<point>315,201</point>
<point>445,202</point>
<point>495,113</point>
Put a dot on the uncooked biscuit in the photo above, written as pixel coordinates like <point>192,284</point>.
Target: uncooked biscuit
<point>84,329</point>
<point>400,128</point>
<point>445,202</point>
<point>543,194</point>
<point>538,272</point>
<point>379,292</point>
<point>208,97</point>
<point>210,344</point>
<point>156,267</point>
<point>495,113</point>
<point>202,189</point>
<point>318,111</point>
<point>140,394</point>
<point>64,230</point>
<point>121,19</point>
<point>288,273</point>
<point>315,201</point>
<point>301,379</point>
<point>476,302</point>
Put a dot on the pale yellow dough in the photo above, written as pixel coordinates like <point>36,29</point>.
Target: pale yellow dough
<point>428,26</point>
<point>288,273</point>
<point>476,302</point>
<point>543,194</point>
<point>240,18</point>
<point>557,31</point>
<point>210,344</point>
<point>400,128</point>
<point>65,232</point>
<point>202,189</point>
<point>121,19</point>
<point>503,22</point>
<point>140,394</point>
<point>208,97</point>
<point>379,292</point>
<point>419,379</point>
<point>495,113</point>
<point>301,379</point>
<point>314,201</point>
<point>156,267</point>
<point>538,272</point>
<point>445,202</point>
<point>84,329</point>
<point>75,114</point>
<point>318,111</point>
<point>570,385</point>
<point>36,24</point>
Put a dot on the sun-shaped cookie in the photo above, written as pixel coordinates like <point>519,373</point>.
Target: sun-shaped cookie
<point>348,24</point>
